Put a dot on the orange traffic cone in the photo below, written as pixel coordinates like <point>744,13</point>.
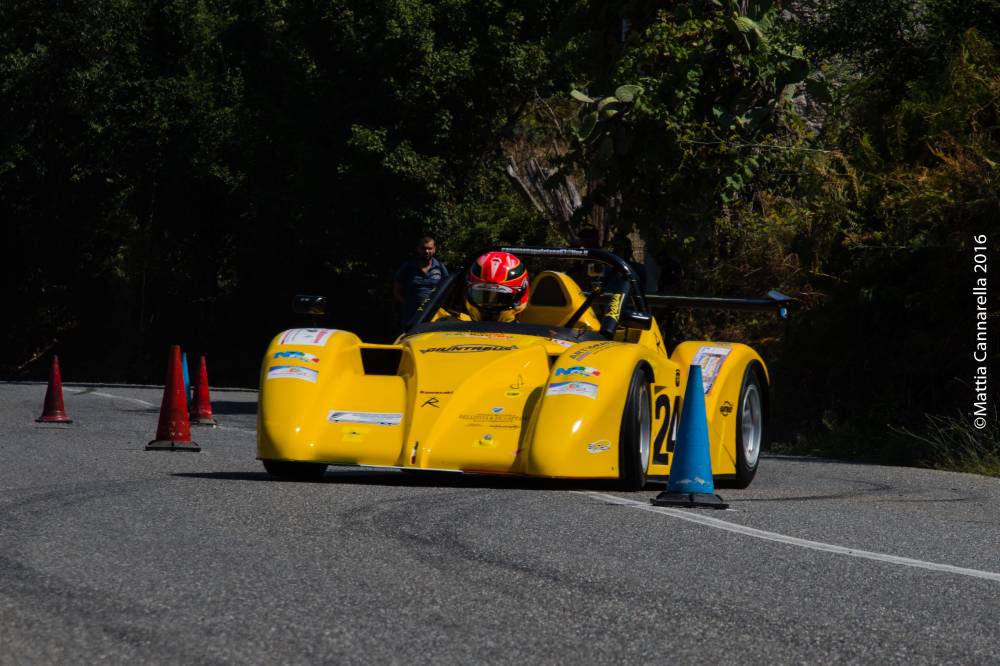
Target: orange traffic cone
<point>173,432</point>
<point>53,411</point>
<point>201,410</point>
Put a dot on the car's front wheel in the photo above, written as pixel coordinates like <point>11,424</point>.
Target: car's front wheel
<point>294,471</point>
<point>635,435</point>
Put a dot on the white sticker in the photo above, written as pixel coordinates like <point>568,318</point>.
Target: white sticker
<point>370,418</point>
<point>565,344</point>
<point>599,446</point>
<point>573,388</point>
<point>316,337</point>
<point>292,372</point>
<point>710,359</point>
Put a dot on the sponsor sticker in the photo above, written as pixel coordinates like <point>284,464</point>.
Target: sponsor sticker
<point>581,354</point>
<point>368,418</point>
<point>491,418</point>
<point>573,388</point>
<point>615,307</point>
<point>566,344</point>
<point>476,334</point>
<point>292,372</point>
<point>297,356</point>
<point>710,359</point>
<point>581,370</point>
<point>599,446</point>
<point>315,337</point>
<point>547,251</point>
<point>486,442</point>
<point>467,349</point>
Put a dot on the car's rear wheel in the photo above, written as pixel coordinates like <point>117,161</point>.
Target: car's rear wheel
<point>750,419</point>
<point>294,471</point>
<point>636,434</point>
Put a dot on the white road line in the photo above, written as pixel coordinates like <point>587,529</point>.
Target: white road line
<point>112,395</point>
<point>702,519</point>
<point>149,404</point>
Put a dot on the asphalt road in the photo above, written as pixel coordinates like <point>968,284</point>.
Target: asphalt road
<point>109,552</point>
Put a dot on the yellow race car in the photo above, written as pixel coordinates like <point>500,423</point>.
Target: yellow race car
<point>580,386</point>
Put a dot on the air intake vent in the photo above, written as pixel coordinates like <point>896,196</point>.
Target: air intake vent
<point>380,361</point>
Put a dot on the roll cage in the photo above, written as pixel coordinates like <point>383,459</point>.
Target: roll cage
<point>626,302</point>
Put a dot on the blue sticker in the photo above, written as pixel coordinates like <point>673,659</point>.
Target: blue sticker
<point>581,370</point>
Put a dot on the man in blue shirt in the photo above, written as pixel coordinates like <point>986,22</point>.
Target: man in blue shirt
<point>417,278</point>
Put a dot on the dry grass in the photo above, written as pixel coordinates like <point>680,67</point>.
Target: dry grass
<point>953,443</point>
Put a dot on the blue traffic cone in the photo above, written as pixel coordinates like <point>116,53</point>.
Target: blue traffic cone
<point>690,483</point>
<point>187,377</point>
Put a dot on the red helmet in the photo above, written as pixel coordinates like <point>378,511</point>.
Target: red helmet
<point>496,287</point>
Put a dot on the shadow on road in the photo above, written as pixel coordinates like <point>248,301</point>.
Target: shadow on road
<point>233,407</point>
<point>417,480</point>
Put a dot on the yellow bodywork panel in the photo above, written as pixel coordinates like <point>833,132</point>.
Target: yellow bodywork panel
<point>723,366</point>
<point>577,428</point>
<point>317,403</point>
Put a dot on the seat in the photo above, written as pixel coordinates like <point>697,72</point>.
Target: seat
<point>554,298</point>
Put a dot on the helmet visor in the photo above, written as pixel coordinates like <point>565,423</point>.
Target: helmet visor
<point>487,296</point>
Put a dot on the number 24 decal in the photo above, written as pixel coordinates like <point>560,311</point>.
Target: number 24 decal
<point>667,430</point>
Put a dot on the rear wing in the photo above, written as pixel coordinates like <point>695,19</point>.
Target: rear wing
<point>775,300</point>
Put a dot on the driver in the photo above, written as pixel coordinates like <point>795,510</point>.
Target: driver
<point>496,287</point>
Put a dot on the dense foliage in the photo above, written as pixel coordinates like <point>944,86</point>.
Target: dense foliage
<point>174,170</point>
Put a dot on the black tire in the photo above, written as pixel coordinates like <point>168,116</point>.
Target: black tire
<point>294,471</point>
<point>751,419</point>
<point>636,434</point>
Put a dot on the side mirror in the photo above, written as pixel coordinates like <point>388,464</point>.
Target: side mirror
<point>633,319</point>
<point>309,304</point>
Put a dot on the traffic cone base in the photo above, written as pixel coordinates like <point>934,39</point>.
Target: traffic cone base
<point>202,421</point>
<point>53,411</point>
<point>54,419</point>
<point>690,500</point>
<point>170,445</point>
<point>690,483</point>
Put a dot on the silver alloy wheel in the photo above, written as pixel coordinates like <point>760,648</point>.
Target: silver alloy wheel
<point>751,418</point>
<point>645,428</point>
